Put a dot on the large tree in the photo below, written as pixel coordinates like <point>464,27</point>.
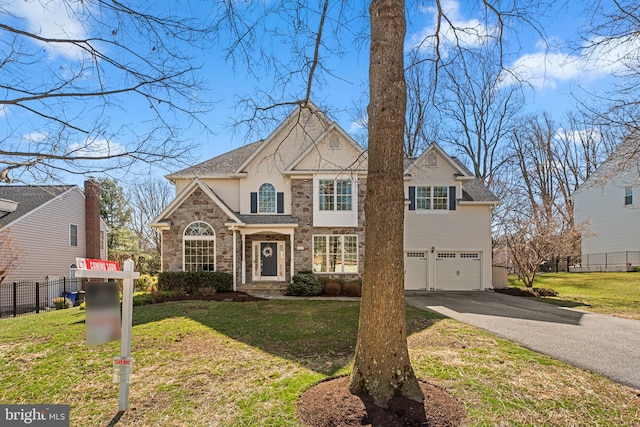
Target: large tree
<point>382,368</point>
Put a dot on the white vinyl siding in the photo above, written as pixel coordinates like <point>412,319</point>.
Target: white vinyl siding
<point>335,201</point>
<point>609,225</point>
<point>467,229</point>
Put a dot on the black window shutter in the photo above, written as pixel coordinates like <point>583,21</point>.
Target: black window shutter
<point>412,198</point>
<point>452,198</point>
<point>280,202</point>
<point>254,202</point>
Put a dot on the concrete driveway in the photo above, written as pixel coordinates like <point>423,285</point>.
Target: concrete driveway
<point>607,345</point>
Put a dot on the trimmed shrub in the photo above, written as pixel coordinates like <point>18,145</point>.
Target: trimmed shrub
<point>190,282</point>
<point>61,302</point>
<point>332,288</point>
<point>352,288</point>
<point>157,297</point>
<point>304,285</point>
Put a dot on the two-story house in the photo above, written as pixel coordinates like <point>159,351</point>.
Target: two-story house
<point>295,201</point>
<point>51,226</point>
<point>607,207</point>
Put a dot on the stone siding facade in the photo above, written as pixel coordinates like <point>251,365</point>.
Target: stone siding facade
<point>197,207</point>
<point>302,208</point>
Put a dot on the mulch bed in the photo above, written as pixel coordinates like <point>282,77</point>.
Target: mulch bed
<point>329,403</point>
<point>516,292</point>
<point>531,292</point>
<point>230,296</point>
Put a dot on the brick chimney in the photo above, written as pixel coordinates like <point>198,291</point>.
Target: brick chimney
<point>92,218</point>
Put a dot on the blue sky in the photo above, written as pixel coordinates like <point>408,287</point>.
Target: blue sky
<point>553,69</point>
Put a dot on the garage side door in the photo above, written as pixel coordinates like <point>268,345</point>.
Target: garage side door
<point>415,270</point>
<point>458,271</point>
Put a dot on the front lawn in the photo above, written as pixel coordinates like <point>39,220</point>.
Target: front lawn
<point>205,363</point>
<point>617,294</point>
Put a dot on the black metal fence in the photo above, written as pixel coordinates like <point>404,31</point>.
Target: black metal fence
<point>31,297</point>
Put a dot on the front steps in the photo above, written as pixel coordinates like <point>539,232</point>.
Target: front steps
<point>264,289</point>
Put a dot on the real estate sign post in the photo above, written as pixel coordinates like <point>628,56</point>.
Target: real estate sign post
<point>121,365</point>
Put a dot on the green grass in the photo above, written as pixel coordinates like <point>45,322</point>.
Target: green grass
<point>200,363</point>
<point>616,294</point>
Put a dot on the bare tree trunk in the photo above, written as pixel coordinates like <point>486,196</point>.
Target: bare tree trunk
<point>382,368</point>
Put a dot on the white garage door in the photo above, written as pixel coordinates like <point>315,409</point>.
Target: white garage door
<point>458,271</point>
<point>415,270</point>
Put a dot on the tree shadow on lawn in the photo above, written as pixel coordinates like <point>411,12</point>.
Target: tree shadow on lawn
<point>319,335</point>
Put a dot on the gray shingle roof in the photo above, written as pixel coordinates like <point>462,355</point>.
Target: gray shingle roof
<point>476,191</point>
<point>268,219</point>
<point>221,165</point>
<point>29,198</point>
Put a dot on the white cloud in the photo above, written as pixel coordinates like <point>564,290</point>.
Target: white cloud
<point>98,147</point>
<point>53,19</point>
<point>456,30</point>
<point>35,137</point>
<point>546,70</point>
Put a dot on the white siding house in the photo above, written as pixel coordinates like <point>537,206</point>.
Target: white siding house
<point>295,201</point>
<point>607,205</point>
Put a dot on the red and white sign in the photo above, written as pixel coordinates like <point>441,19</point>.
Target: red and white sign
<point>97,264</point>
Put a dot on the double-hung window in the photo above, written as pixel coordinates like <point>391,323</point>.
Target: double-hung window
<point>335,254</point>
<point>628,196</point>
<point>73,235</point>
<point>432,198</point>
<point>335,195</point>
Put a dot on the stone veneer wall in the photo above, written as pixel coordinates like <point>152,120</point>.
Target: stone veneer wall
<point>198,207</point>
<point>302,208</point>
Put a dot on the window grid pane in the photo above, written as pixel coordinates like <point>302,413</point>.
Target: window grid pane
<point>319,254</point>
<point>440,199</point>
<point>343,194</point>
<point>267,199</point>
<point>423,198</point>
<point>628,196</point>
<point>326,194</point>
<point>335,254</point>
<point>73,235</point>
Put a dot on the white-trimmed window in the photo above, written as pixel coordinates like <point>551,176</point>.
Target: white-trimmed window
<point>73,235</point>
<point>335,195</point>
<point>432,198</point>
<point>335,254</point>
<point>628,196</point>
<point>267,198</point>
<point>199,243</point>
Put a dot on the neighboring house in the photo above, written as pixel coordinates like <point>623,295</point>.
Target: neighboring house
<point>51,225</point>
<point>295,202</point>
<point>607,205</point>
